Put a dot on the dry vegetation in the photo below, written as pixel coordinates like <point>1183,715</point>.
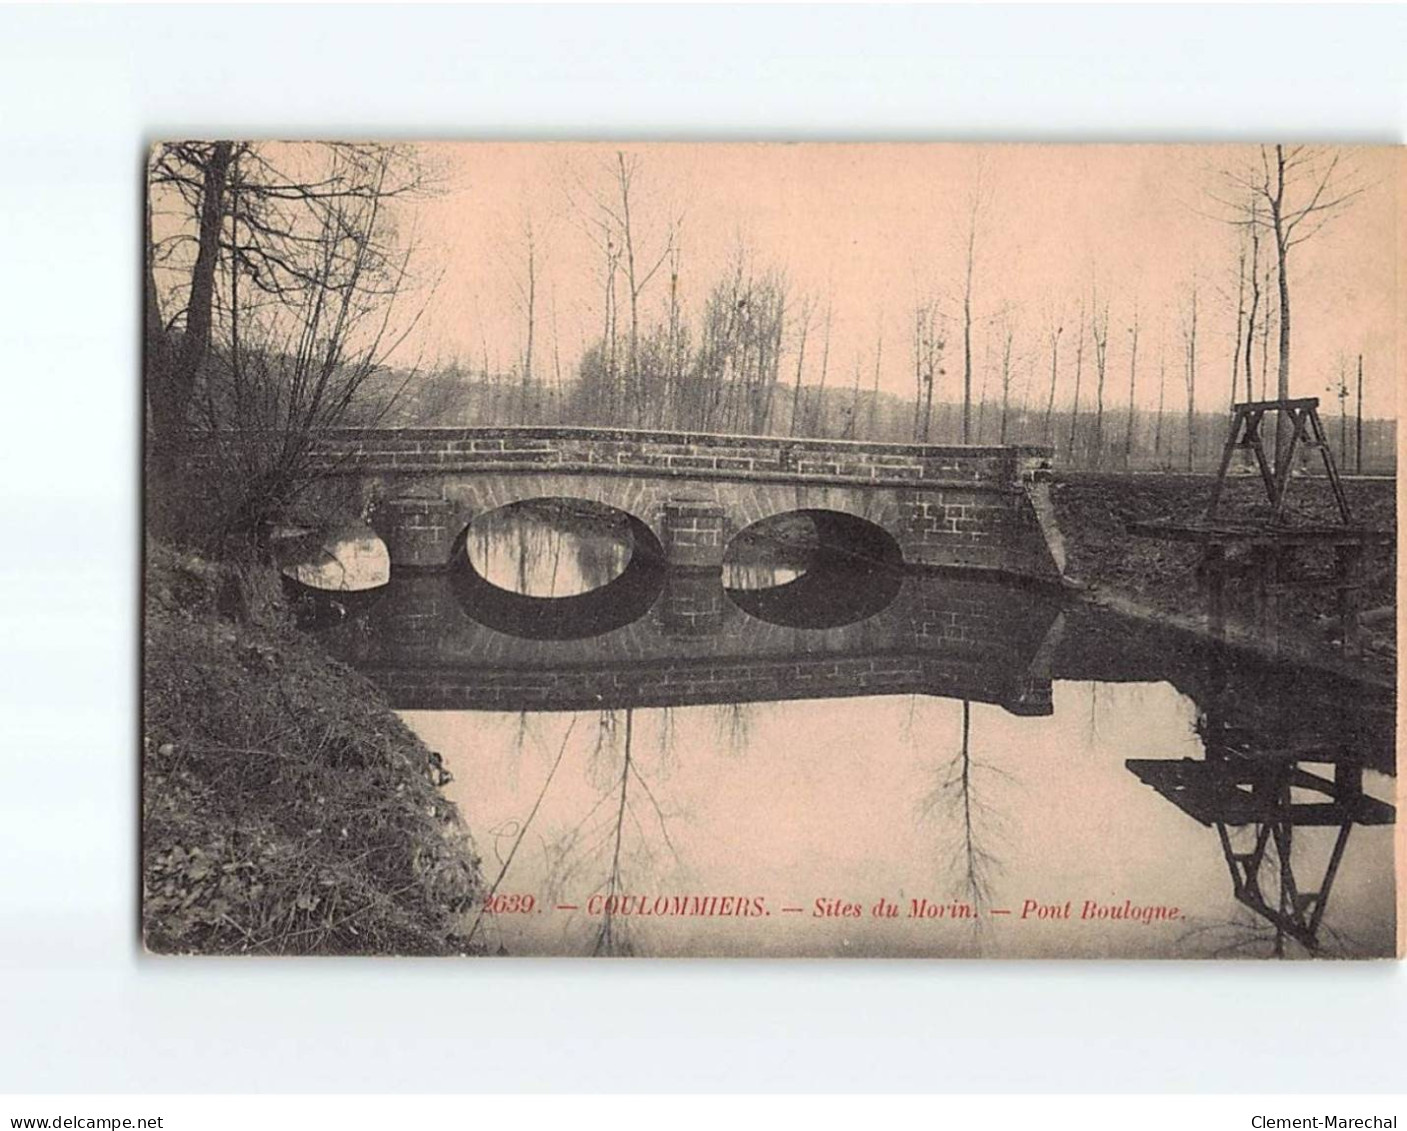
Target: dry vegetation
<point>1094,511</point>
<point>285,807</point>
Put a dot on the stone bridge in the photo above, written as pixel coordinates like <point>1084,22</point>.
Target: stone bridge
<point>967,507</point>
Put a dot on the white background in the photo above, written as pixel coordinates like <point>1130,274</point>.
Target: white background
<point>83,91</point>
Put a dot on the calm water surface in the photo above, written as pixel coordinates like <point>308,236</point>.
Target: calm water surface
<point>819,756</point>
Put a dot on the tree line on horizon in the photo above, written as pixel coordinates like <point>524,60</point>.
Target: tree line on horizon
<point>452,396</point>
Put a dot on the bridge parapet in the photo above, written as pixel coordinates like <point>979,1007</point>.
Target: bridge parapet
<point>685,454</point>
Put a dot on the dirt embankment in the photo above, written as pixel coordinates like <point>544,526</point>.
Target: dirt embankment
<point>1094,510</point>
<point>286,809</point>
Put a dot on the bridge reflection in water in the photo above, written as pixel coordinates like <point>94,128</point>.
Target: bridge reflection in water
<point>808,735</point>
<point>452,642</point>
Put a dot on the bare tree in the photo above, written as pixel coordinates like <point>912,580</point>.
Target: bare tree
<point>524,275</point>
<point>1008,337</point>
<point>818,417</point>
<point>1267,326</point>
<point>608,204</point>
<point>294,270</point>
<point>610,336</point>
<point>1358,405</point>
<point>982,386</point>
<point>606,940</point>
<point>1240,320</point>
<point>1133,382</point>
<point>807,305</point>
<point>1291,192</point>
<point>487,376</point>
<point>1189,343</point>
<point>848,433</point>
<point>557,384</point>
<point>199,174</point>
<point>959,800</point>
<point>1251,314</point>
<point>300,370</point>
<point>874,389</point>
<point>1162,386</point>
<point>741,346</point>
<point>976,201</point>
<point>1053,332</point>
<point>677,343</point>
<point>1099,332</point>
<point>1079,370</point>
<point>639,271</point>
<point>929,342</point>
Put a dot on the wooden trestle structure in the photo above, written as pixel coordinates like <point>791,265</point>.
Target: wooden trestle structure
<point>1273,783</point>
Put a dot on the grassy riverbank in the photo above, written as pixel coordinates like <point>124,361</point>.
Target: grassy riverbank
<point>1094,511</point>
<point>286,809</point>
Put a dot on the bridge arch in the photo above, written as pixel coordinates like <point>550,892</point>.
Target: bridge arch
<point>619,600</point>
<point>813,568</point>
<point>881,509</point>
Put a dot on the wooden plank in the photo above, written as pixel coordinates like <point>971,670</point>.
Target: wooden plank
<point>1272,406</point>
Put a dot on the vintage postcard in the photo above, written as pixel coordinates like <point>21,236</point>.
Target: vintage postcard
<point>797,550</point>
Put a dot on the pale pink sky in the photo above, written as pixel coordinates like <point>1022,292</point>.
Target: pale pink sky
<point>874,226</point>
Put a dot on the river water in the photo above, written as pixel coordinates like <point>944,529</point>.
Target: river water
<point>823,755</point>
